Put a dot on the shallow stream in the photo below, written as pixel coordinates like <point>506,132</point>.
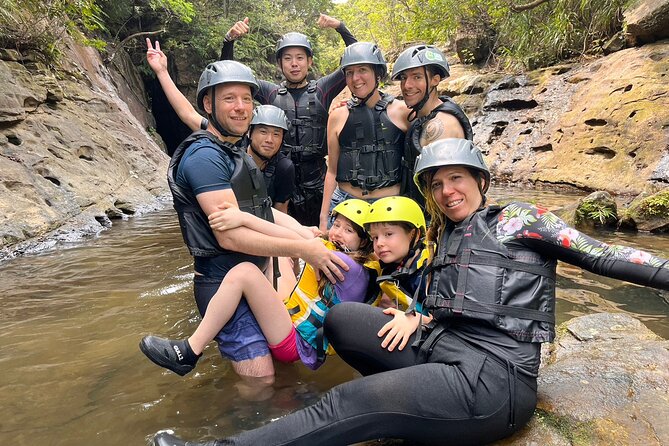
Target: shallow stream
<point>71,319</point>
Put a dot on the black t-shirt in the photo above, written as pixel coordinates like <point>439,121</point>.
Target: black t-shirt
<point>279,177</point>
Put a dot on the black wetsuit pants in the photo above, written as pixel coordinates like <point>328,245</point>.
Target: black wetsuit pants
<point>459,397</point>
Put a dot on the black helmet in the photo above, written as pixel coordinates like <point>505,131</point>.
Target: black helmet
<point>270,115</point>
<point>293,39</point>
<point>224,72</point>
<point>420,56</point>
<point>450,152</point>
<point>364,53</point>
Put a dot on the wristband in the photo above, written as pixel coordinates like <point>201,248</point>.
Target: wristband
<point>204,124</point>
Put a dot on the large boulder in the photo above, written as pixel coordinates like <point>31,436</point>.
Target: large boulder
<point>648,212</point>
<point>598,209</point>
<point>646,21</point>
<point>605,380</point>
<point>73,155</point>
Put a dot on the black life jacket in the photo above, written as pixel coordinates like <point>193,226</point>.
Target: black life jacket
<point>474,275</point>
<point>305,141</point>
<point>247,184</point>
<point>370,147</point>
<point>412,146</point>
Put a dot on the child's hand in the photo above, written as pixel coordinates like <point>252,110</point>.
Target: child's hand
<point>315,231</point>
<point>398,331</point>
<point>229,217</point>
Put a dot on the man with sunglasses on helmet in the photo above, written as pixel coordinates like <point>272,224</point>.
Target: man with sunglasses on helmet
<point>419,69</point>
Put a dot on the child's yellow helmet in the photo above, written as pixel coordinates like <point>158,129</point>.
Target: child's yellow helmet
<point>354,209</point>
<point>390,209</point>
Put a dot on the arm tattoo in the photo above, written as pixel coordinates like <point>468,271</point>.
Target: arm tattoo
<point>433,130</point>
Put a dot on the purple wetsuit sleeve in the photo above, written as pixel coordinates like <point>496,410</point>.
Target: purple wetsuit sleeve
<point>356,280</point>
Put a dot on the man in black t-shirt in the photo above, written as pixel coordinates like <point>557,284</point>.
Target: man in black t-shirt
<point>268,128</point>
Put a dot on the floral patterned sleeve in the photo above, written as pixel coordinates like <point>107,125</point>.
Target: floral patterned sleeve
<point>543,231</point>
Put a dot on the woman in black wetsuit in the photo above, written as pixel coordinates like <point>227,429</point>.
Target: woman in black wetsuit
<point>470,378</point>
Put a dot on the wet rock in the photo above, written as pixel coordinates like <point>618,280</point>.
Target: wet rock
<point>598,209</point>
<point>615,43</point>
<point>647,21</point>
<point>648,212</point>
<point>70,149</point>
<point>608,375</point>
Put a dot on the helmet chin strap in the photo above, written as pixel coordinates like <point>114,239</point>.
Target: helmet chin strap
<point>214,121</point>
<point>415,109</point>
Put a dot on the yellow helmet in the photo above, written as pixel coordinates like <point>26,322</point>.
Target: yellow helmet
<point>389,209</point>
<point>354,209</point>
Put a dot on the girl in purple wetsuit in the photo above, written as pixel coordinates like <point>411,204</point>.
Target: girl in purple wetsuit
<point>290,317</point>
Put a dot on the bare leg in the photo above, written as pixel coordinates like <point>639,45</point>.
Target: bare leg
<point>268,309</point>
<point>247,280</point>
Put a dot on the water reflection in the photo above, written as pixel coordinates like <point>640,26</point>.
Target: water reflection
<point>71,319</point>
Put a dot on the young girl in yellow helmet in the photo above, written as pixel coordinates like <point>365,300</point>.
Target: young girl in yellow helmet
<point>291,324</point>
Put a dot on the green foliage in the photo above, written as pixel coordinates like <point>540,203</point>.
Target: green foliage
<point>595,211</point>
<point>182,10</point>
<point>656,205</point>
<point>553,31</point>
<point>38,26</point>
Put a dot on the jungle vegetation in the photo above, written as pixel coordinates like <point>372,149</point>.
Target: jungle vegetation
<point>520,35</point>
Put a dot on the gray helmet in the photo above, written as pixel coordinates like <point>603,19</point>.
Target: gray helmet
<point>364,53</point>
<point>420,56</point>
<point>271,116</point>
<point>293,39</point>
<point>449,152</point>
<point>224,72</point>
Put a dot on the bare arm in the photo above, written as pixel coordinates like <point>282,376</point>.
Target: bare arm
<point>228,216</point>
<point>248,241</point>
<point>285,220</point>
<point>442,126</point>
<point>184,109</point>
<point>336,122</point>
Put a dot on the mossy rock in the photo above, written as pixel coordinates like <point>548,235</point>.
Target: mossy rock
<point>649,213</point>
<point>598,209</point>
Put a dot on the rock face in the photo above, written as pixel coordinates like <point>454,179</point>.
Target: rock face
<point>605,381</point>
<point>647,21</point>
<point>72,153</point>
<point>602,125</point>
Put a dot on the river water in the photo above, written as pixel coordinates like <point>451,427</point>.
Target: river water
<point>71,320</point>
